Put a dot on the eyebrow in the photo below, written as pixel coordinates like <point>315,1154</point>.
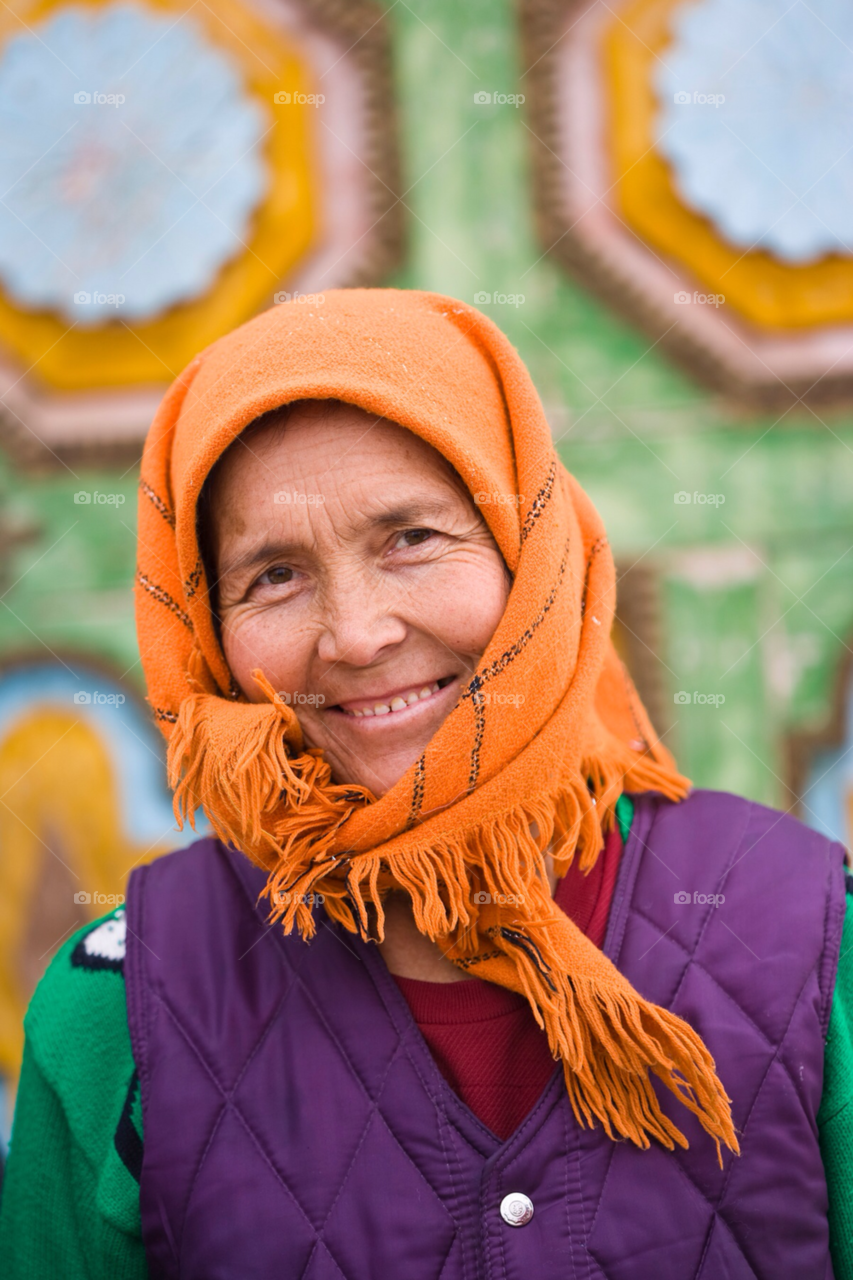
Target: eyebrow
<point>413,512</point>
<point>268,550</point>
<point>408,513</point>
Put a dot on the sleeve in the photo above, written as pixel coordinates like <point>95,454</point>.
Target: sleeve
<point>624,809</point>
<point>835,1118</point>
<point>70,1200</point>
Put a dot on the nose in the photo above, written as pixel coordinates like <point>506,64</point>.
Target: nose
<point>360,617</point>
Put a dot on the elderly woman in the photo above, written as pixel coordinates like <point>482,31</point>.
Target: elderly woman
<point>469,983</point>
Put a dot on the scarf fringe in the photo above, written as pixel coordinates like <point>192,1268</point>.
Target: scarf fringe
<point>611,1041</point>
<point>243,784</point>
<point>276,801</point>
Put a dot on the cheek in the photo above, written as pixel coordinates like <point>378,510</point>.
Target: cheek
<point>465,601</point>
<point>254,640</point>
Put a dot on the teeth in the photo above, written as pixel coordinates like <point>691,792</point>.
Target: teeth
<point>398,703</point>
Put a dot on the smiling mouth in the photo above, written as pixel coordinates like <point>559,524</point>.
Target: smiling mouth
<point>391,705</point>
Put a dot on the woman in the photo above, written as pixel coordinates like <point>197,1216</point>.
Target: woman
<point>374,616</point>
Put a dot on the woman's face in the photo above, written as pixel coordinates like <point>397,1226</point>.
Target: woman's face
<point>356,573</point>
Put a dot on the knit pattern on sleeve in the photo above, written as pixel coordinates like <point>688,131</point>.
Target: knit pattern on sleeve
<point>70,1203</point>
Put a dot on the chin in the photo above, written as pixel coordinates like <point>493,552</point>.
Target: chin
<point>378,778</point>
<point>368,761</point>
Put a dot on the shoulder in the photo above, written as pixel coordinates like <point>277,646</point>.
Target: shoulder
<point>709,817</point>
<point>189,884</point>
<point>79,1091</point>
<point>781,883</point>
<point>185,870</point>
<point>85,976</point>
<point>76,1025</point>
<point>722,848</point>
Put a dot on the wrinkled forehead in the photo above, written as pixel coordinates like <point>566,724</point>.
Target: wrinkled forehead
<point>372,465</point>
<point>421,373</point>
<point>340,433</point>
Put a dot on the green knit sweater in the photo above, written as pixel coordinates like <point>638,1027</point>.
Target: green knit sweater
<point>70,1205</point>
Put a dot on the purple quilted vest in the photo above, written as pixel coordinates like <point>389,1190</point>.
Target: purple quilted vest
<point>297,1128</point>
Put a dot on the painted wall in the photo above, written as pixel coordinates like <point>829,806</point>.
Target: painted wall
<point>757,592</point>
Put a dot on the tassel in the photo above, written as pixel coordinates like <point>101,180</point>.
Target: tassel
<point>257,785</point>
<point>610,1040</point>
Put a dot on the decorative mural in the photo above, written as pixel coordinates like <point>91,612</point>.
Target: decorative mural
<point>774,171</point>
<point>167,175</point>
<point>824,782</point>
<point>82,801</point>
<point>820,763</point>
<point>137,208</point>
<point>692,169</point>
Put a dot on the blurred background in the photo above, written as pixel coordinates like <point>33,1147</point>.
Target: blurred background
<point>653,199</point>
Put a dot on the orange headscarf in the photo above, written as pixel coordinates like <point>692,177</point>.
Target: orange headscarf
<point>545,737</point>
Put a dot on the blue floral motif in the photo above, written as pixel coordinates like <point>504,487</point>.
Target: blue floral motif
<point>756,119</point>
<point>130,163</point>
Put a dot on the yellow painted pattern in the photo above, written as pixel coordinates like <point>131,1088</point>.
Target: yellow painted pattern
<point>764,290</point>
<point>61,831</point>
<point>117,354</point>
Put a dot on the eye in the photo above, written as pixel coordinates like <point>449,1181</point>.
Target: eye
<point>276,576</point>
<point>415,537</point>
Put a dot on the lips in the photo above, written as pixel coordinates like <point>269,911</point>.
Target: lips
<point>391,704</point>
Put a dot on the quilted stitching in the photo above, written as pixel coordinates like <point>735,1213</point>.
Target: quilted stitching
<point>231,1102</point>
<point>442,1158</point>
<point>692,962</point>
<point>680,957</point>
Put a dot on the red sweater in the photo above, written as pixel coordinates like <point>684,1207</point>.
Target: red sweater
<point>484,1038</point>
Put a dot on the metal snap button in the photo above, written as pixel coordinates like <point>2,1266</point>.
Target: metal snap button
<point>516,1209</point>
